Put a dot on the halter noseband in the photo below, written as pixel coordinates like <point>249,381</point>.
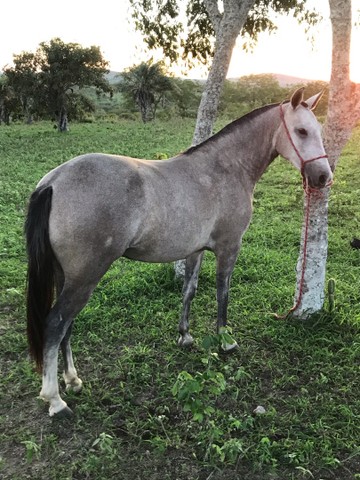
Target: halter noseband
<point>302,161</point>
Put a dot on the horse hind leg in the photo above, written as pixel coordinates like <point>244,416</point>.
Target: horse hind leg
<point>55,329</point>
<point>192,268</point>
<point>72,381</point>
<point>57,332</point>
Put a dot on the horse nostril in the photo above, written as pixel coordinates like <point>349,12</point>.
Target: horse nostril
<point>322,180</point>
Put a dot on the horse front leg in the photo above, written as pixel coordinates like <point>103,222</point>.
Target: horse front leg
<point>192,268</point>
<point>225,267</point>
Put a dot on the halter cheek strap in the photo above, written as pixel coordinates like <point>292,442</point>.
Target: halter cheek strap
<point>302,161</point>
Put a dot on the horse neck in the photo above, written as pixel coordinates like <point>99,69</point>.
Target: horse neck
<point>243,148</point>
<point>253,143</point>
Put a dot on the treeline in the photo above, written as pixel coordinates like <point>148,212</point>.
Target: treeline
<point>63,82</point>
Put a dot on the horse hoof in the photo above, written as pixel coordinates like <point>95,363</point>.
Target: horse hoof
<point>185,340</point>
<point>62,414</point>
<point>229,347</point>
<point>355,243</point>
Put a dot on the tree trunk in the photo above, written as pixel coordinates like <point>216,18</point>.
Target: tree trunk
<point>63,121</point>
<point>311,265</point>
<point>227,28</point>
<point>27,108</point>
<point>1,112</point>
<point>344,100</point>
<point>209,103</point>
<point>343,113</point>
<point>146,109</point>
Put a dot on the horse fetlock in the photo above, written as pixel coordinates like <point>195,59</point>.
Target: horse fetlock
<point>185,340</point>
<point>72,383</point>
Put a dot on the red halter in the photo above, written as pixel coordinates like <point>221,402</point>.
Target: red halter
<point>302,161</point>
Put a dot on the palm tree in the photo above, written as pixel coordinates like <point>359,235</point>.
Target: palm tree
<point>146,84</point>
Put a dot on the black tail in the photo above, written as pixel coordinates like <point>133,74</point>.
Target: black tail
<point>40,277</point>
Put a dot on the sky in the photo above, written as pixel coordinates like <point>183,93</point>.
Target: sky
<point>108,25</point>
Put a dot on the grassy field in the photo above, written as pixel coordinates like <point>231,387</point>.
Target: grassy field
<point>149,410</point>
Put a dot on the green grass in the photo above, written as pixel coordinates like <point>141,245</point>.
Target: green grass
<point>150,410</point>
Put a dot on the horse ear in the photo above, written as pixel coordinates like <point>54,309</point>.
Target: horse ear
<point>297,97</point>
<point>314,100</point>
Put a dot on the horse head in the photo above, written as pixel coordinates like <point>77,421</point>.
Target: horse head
<point>298,139</point>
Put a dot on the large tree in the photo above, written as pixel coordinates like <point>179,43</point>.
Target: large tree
<point>211,31</point>
<point>65,67</point>
<point>54,75</point>
<point>342,115</point>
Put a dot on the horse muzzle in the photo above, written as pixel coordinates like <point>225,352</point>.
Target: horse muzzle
<point>317,174</point>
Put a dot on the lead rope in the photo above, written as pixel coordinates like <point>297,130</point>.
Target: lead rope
<point>308,191</point>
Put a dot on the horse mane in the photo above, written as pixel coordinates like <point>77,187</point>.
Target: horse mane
<point>232,126</point>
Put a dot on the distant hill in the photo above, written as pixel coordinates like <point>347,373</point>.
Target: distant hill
<point>284,80</point>
<point>113,77</point>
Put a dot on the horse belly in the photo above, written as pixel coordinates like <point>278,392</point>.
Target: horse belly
<point>169,244</point>
<point>159,256</point>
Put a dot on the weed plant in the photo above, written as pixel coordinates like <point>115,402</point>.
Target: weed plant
<point>285,405</point>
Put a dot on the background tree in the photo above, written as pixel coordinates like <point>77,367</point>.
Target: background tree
<point>210,32</point>
<point>24,80</point>
<point>186,96</point>
<point>65,67</point>
<point>249,92</point>
<point>314,87</point>
<point>51,78</point>
<point>9,104</point>
<point>342,115</point>
<point>147,85</point>
<point>80,105</point>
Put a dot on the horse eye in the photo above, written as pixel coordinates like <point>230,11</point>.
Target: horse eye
<point>302,132</point>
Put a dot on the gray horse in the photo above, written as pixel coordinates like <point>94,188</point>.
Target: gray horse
<point>96,208</point>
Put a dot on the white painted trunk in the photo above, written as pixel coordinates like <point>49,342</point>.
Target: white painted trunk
<point>311,265</point>
<point>343,113</point>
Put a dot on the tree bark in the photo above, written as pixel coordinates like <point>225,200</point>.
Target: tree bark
<point>227,27</point>
<point>343,113</point>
